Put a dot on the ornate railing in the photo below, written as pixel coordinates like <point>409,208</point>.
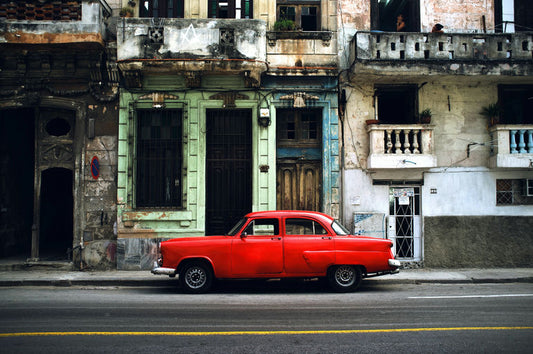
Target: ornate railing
<point>397,146</point>
<point>512,146</point>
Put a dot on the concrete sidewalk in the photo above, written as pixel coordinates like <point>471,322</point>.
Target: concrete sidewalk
<point>145,278</point>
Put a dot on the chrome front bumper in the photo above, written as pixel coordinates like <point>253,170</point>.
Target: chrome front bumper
<point>163,270</point>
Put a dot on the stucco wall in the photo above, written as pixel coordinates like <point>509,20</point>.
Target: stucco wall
<point>478,241</point>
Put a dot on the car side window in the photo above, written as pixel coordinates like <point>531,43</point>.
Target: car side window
<point>261,227</point>
<point>303,227</point>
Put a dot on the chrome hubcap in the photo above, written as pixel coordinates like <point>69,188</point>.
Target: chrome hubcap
<point>345,275</point>
<point>195,277</point>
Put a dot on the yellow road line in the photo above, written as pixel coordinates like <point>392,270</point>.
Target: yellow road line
<point>260,333</point>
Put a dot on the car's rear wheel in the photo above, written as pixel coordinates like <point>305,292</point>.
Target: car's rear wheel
<point>196,277</point>
<point>344,278</point>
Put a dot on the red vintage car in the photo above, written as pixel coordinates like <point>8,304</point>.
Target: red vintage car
<point>277,244</point>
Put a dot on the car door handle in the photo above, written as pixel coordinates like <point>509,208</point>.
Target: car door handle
<point>275,238</point>
<point>326,237</point>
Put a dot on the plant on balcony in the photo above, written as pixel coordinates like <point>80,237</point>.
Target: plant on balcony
<point>284,25</point>
<point>492,111</point>
<point>425,116</point>
<point>126,11</point>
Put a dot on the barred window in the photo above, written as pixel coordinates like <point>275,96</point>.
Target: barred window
<point>514,192</point>
<point>159,158</point>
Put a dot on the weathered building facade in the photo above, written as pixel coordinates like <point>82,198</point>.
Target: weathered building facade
<point>454,191</point>
<point>220,116</point>
<point>58,98</point>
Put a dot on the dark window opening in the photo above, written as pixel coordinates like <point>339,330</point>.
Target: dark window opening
<point>230,9</point>
<point>299,127</point>
<point>397,104</point>
<point>384,15</point>
<point>516,103</point>
<point>304,14</point>
<point>57,127</point>
<point>159,158</point>
<point>161,9</point>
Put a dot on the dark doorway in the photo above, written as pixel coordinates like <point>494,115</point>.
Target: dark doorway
<point>55,234</point>
<point>397,104</point>
<point>17,131</point>
<point>228,168</point>
<point>384,15</point>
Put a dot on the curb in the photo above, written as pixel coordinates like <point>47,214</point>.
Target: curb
<point>172,283</point>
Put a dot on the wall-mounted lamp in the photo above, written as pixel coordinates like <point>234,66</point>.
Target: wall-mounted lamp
<point>299,99</point>
<point>264,117</point>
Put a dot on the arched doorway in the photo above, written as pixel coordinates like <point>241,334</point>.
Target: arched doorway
<point>56,214</point>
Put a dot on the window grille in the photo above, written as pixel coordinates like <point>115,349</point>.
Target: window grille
<point>512,192</point>
<point>159,158</point>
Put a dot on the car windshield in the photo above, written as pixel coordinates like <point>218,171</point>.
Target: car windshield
<point>237,227</point>
<point>339,228</point>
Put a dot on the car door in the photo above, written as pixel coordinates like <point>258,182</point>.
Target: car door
<point>308,247</point>
<point>258,250</point>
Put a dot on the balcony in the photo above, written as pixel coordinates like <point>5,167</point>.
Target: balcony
<point>61,22</point>
<point>192,48</point>
<point>421,54</point>
<point>302,53</point>
<point>401,146</point>
<point>512,146</point>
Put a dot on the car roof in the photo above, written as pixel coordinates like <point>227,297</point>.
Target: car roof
<point>291,214</point>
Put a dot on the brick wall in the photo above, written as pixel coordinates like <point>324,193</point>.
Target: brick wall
<point>34,10</point>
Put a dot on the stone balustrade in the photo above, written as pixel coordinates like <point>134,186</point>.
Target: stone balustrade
<point>401,146</point>
<point>442,46</point>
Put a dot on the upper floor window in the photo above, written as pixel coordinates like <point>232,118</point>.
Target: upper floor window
<point>161,8</point>
<point>230,8</point>
<point>385,15</point>
<point>304,13</point>
<point>299,127</point>
<point>513,16</point>
<point>516,103</point>
<point>396,104</point>
<point>159,158</point>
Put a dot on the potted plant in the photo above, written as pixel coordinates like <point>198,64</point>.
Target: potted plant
<point>371,121</point>
<point>492,111</point>
<point>126,11</point>
<point>425,116</point>
<point>284,25</point>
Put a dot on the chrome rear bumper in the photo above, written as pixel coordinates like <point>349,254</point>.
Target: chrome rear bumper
<point>394,263</point>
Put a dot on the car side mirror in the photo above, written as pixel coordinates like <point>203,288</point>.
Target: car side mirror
<point>244,235</point>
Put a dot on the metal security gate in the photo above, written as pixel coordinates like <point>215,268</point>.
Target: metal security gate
<point>405,222</point>
<point>228,167</point>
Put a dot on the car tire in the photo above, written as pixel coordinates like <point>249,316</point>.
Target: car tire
<point>345,278</point>
<point>196,277</point>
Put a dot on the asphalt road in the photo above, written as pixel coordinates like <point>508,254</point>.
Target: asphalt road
<point>277,317</point>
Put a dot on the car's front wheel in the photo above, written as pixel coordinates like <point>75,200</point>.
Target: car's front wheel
<point>196,277</point>
<point>345,278</point>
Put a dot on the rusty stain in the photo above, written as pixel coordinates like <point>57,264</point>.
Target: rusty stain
<point>53,38</point>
